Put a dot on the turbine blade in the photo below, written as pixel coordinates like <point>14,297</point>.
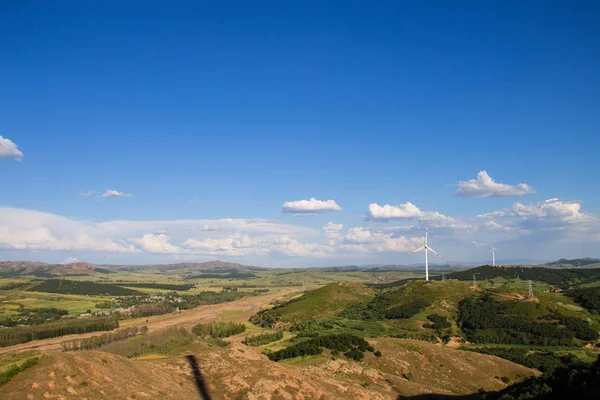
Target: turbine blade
<point>419,249</point>
<point>433,251</point>
<point>490,252</point>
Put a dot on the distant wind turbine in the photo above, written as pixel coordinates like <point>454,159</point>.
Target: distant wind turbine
<point>493,252</point>
<point>427,249</point>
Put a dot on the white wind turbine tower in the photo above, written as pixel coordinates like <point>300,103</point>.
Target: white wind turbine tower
<point>427,249</point>
<point>493,252</point>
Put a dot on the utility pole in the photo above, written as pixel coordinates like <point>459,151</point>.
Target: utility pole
<point>530,290</point>
<point>443,276</point>
<point>475,279</point>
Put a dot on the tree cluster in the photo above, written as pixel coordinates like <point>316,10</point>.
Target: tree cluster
<point>231,275</point>
<point>148,309</point>
<point>66,286</point>
<point>439,322</point>
<point>562,278</point>
<point>190,301</point>
<point>23,334</point>
<point>341,343</point>
<point>586,297</point>
<point>407,310</point>
<point>574,381</point>
<point>263,338</point>
<point>33,316</point>
<point>99,341</point>
<point>544,361</point>
<point>485,320</point>
<point>218,329</point>
<point>165,286</point>
<point>162,342</point>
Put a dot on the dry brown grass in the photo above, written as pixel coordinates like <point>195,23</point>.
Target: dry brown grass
<point>242,372</point>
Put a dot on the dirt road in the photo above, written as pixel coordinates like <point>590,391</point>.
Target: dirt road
<point>240,310</point>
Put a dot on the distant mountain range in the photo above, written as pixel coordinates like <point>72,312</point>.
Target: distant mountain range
<point>10,269</point>
<point>41,269</point>
<point>576,262</point>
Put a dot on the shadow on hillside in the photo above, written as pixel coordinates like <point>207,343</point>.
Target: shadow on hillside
<point>198,378</point>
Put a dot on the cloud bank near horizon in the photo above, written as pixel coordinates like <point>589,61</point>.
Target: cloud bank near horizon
<point>563,223</point>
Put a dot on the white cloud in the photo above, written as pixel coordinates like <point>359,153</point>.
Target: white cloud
<point>379,241</point>
<point>28,229</point>
<point>70,260</point>
<point>485,186</point>
<point>552,215</point>
<point>478,244</point>
<point>331,227</point>
<point>553,223</point>
<point>565,211</point>
<point>552,211</point>
<point>87,193</point>
<point>115,193</point>
<point>8,149</point>
<point>312,206</point>
<point>234,245</point>
<point>493,214</point>
<point>387,212</point>
<point>409,211</point>
<point>156,243</point>
<point>333,232</point>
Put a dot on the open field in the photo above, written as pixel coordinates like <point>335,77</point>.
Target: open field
<point>243,309</point>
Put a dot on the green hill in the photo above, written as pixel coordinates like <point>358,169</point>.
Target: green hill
<point>434,296</point>
<point>324,302</point>
<point>562,278</point>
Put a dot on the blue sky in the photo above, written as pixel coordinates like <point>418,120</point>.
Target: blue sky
<point>206,112</point>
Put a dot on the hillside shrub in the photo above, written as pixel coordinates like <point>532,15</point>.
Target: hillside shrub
<point>355,354</point>
<point>14,369</point>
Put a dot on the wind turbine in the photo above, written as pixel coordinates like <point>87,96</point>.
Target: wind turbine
<point>427,249</point>
<point>493,251</point>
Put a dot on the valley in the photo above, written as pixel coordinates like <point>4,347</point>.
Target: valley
<point>317,333</point>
